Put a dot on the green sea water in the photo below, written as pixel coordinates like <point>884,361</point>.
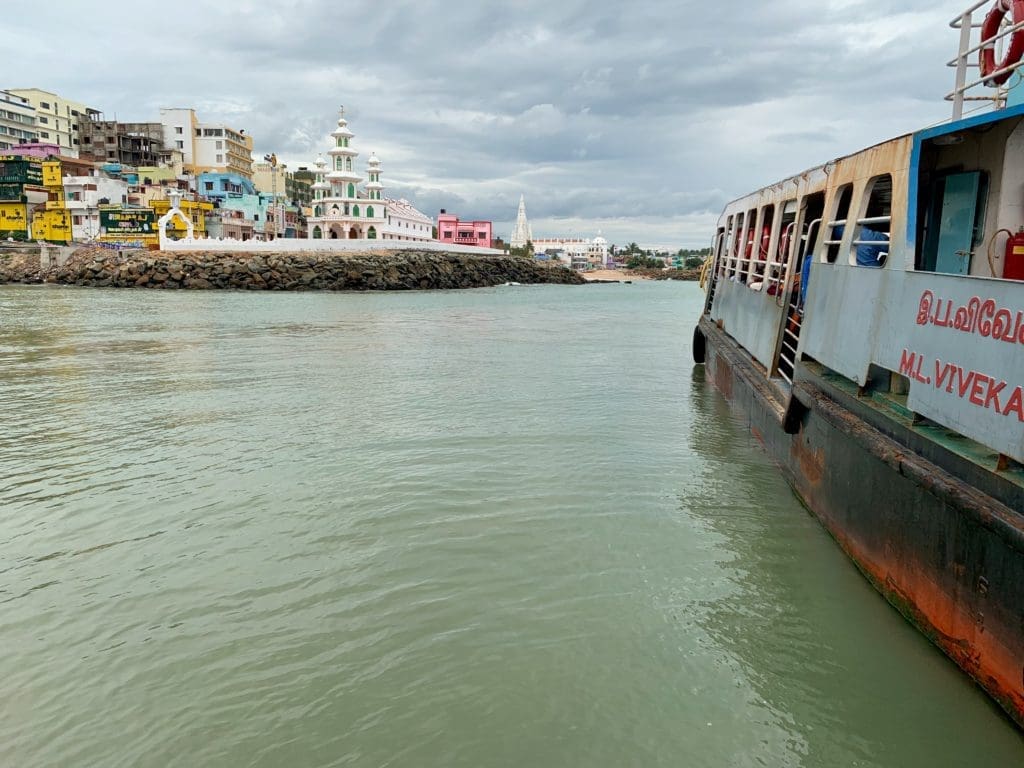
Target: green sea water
<point>499,527</point>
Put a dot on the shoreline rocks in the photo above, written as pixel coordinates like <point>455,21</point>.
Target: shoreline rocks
<point>371,271</point>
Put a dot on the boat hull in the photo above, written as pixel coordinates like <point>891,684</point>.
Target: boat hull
<point>948,556</point>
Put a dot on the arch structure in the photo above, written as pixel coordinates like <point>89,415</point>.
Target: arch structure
<point>167,218</point>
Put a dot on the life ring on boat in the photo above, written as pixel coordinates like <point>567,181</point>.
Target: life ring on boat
<point>1015,48</point>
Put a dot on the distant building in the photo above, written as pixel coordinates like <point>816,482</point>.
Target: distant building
<point>206,146</point>
<point>17,120</point>
<point>451,230</point>
<point>227,222</point>
<point>57,118</point>
<point>134,144</point>
<point>342,210</point>
<point>582,253</point>
<point>521,233</point>
<point>83,196</point>
<point>220,186</point>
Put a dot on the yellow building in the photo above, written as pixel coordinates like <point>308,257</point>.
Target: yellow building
<point>194,209</point>
<point>52,221</point>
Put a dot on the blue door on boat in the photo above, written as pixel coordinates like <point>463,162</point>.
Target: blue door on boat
<point>956,226</point>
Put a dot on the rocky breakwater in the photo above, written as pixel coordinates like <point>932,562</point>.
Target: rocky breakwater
<point>373,271</point>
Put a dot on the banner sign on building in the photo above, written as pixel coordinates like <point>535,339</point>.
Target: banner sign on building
<point>11,192</point>
<point>127,221</point>
<point>18,170</point>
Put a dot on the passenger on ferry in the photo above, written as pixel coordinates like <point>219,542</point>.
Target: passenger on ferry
<point>868,255</point>
<point>872,255</point>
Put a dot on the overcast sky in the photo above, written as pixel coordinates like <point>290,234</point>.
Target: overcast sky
<point>640,118</point>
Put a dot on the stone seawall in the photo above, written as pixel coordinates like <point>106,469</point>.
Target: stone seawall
<point>374,271</point>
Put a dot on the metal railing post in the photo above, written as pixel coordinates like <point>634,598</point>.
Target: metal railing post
<point>961,66</point>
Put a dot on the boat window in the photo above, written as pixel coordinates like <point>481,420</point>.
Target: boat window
<point>727,249</point>
<point>836,226</point>
<point>779,256</point>
<point>764,241</point>
<point>719,248</point>
<point>870,244</point>
<point>747,251</point>
<point>737,238</point>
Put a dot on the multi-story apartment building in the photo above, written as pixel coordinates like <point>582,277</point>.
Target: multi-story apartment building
<point>206,146</point>
<point>57,118</point>
<point>134,144</point>
<point>292,187</point>
<point>220,148</point>
<point>17,120</point>
<point>301,190</point>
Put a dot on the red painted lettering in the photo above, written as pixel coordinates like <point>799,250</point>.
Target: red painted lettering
<point>917,372</point>
<point>1015,404</point>
<point>993,394</point>
<point>907,360</point>
<point>978,388</point>
<point>965,384</point>
<point>942,372</point>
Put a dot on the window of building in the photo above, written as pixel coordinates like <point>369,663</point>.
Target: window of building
<point>209,186</point>
<point>178,130</point>
<point>220,158</point>
<point>44,105</point>
<point>220,145</point>
<point>44,120</point>
<point>44,134</point>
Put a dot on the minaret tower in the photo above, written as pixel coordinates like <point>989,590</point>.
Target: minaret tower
<point>522,234</point>
<point>320,186</point>
<point>342,176</point>
<point>373,187</point>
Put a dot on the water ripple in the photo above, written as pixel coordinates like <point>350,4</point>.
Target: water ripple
<point>454,528</point>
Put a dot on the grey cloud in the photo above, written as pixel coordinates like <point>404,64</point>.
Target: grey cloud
<point>597,112</point>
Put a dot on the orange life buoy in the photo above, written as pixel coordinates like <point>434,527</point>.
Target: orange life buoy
<point>1015,48</point>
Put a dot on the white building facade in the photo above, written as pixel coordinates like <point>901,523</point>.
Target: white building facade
<point>17,120</point>
<point>581,253</point>
<point>83,196</point>
<point>344,210</point>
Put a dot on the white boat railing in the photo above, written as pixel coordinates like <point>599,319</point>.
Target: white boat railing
<point>965,89</point>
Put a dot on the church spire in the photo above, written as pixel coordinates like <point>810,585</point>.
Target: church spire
<point>521,234</point>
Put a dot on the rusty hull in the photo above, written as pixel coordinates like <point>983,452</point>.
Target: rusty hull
<point>949,557</point>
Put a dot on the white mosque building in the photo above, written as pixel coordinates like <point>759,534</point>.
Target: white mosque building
<point>344,210</point>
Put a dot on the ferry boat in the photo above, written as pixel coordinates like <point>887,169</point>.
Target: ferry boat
<point>867,315</point>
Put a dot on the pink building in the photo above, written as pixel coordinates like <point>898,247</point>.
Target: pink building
<point>451,230</point>
<point>40,149</point>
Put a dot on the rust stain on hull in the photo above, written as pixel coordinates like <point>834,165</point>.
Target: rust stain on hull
<point>948,557</point>
<point>960,634</point>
